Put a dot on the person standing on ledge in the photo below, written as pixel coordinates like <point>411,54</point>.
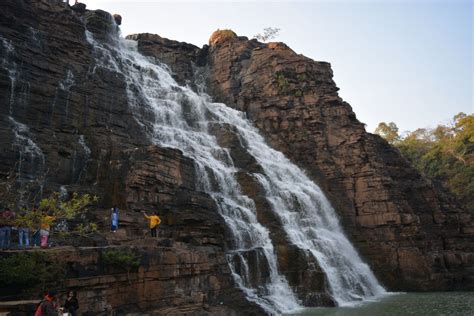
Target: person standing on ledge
<point>114,218</point>
<point>23,232</point>
<point>71,305</point>
<point>7,218</point>
<point>154,220</point>
<point>45,228</point>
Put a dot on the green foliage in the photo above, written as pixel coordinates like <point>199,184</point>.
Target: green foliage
<point>86,229</point>
<point>29,269</point>
<point>445,154</point>
<point>57,209</point>
<point>388,131</point>
<point>282,82</point>
<point>301,77</point>
<point>121,259</point>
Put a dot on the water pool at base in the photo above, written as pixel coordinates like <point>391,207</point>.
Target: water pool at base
<point>403,304</point>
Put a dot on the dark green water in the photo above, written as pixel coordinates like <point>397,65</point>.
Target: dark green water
<point>429,304</point>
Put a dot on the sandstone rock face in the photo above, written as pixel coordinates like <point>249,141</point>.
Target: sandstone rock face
<point>178,56</point>
<point>62,118</point>
<point>184,271</point>
<point>414,236</point>
<point>407,230</point>
<point>117,19</point>
<point>66,125</point>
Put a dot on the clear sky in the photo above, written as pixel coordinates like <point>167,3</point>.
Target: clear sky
<point>410,62</point>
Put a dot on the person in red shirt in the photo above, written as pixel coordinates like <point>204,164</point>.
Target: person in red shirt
<point>48,306</point>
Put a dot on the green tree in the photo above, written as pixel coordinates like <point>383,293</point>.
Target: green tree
<point>444,154</point>
<point>33,271</point>
<point>58,209</point>
<point>122,259</point>
<point>388,131</point>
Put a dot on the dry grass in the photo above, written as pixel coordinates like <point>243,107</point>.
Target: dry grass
<point>221,35</point>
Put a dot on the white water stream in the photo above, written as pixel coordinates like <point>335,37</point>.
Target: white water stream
<point>177,117</point>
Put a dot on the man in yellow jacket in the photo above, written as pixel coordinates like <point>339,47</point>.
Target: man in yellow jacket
<point>154,220</point>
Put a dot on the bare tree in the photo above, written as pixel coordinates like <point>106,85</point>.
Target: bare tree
<point>268,34</point>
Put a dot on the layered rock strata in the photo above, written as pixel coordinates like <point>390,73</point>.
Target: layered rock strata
<point>413,235</point>
<point>66,125</point>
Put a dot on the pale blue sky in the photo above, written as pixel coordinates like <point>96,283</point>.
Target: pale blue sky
<point>410,62</point>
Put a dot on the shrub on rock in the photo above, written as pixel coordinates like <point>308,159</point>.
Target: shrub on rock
<point>221,36</point>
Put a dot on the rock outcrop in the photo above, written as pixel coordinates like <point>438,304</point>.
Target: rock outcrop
<point>413,236</point>
<point>66,125</point>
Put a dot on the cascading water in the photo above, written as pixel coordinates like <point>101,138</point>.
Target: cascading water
<point>31,161</point>
<point>177,117</point>
<point>83,158</point>
<point>10,67</point>
<point>179,120</point>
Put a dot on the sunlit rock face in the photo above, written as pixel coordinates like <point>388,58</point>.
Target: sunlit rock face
<point>413,234</point>
<point>71,120</point>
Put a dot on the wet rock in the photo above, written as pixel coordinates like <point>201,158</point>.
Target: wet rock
<point>66,123</point>
<point>79,7</point>
<point>179,56</point>
<point>101,24</point>
<point>397,219</point>
<point>118,19</point>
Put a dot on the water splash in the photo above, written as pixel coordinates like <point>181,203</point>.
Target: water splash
<point>63,194</point>
<point>83,157</point>
<point>28,150</point>
<point>31,160</point>
<point>34,38</point>
<point>7,51</point>
<point>63,90</point>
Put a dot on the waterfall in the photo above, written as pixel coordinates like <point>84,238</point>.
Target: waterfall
<point>7,50</point>
<point>177,117</point>
<point>30,166</point>
<point>86,155</point>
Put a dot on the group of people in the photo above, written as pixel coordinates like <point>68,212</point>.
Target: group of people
<point>50,306</point>
<point>153,221</point>
<point>9,222</point>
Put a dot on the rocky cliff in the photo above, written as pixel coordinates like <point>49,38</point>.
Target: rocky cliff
<point>414,236</point>
<point>67,125</point>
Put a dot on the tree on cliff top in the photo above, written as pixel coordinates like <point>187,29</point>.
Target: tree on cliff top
<point>268,34</point>
<point>388,131</point>
<point>444,153</point>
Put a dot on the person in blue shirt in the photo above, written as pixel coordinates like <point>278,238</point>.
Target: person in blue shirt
<point>114,217</point>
